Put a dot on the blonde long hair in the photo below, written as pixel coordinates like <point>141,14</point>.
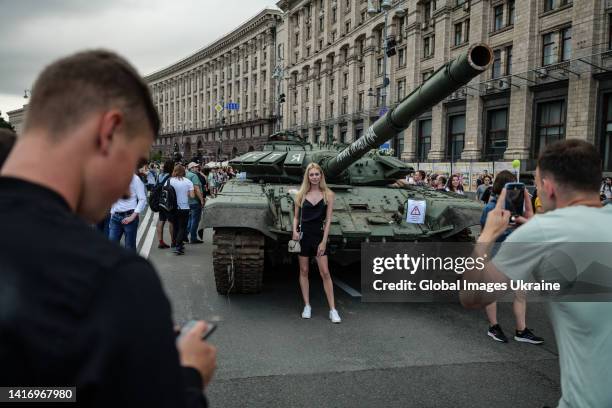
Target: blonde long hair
<point>301,194</point>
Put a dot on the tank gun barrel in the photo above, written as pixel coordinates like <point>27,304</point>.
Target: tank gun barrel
<point>446,80</point>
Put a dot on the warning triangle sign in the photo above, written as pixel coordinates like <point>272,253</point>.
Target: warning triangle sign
<point>415,211</point>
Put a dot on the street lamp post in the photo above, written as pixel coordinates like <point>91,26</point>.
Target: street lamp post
<point>384,7</point>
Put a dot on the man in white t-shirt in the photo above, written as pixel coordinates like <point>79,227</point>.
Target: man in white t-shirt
<point>125,213</point>
<point>544,247</point>
<point>183,188</point>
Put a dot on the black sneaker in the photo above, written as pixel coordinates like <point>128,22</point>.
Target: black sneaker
<point>526,336</point>
<point>497,334</point>
<point>196,241</point>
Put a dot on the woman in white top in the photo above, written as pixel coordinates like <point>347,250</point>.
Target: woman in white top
<point>183,188</point>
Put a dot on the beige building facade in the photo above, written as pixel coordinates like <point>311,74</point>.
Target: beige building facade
<point>16,118</point>
<point>219,102</point>
<point>550,78</point>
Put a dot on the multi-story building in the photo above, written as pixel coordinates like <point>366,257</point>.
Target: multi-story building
<point>219,102</point>
<point>550,78</point>
<point>17,117</point>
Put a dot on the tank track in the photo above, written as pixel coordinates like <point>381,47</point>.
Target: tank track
<point>243,250</point>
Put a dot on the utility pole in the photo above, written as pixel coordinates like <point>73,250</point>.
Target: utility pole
<point>279,74</point>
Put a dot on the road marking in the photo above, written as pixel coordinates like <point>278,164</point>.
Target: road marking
<point>143,226</point>
<point>148,243</point>
<point>346,287</point>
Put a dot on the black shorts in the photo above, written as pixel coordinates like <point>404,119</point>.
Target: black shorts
<point>163,215</point>
<point>309,244</point>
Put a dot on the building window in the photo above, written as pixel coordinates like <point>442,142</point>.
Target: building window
<point>610,32</point>
<point>496,67</point>
<point>308,51</point>
<point>331,109</point>
<point>498,17</point>
<point>456,136</point>
<point>401,89</point>
<point>334,15</point>
<point>425,75</point>
<point>343,135</point>
<point>509,60</point>
<point>345,80</point>
<point>321,22</point>
<point>379,66</point>
<point>497,134</point>
<point>606,142</point>
<point>401,57</point>
<point>331,85</point>
<point>424,140</point>
<point>379,98</point>
<point>458,33</point>
<point>566,43</point>
<point>428,8</point>
<point>361,73</point>
<point>551,123</point>
<point>360,101</point>
<point>347,26</point>
<point>318,112</point>
<point>428,46</point>
<point>306,94</point>
<point>344,105</point>
<point>549,47</point>
<point>510,12</point>
<point>553,4</point>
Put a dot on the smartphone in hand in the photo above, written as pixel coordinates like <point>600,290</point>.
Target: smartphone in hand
<point>515,199</point>
<point>210,329</point>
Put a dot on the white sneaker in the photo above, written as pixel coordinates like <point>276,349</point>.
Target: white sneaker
<point>306,312</point>
<point>334,316</point>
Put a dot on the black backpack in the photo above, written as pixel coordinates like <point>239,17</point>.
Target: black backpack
<point>155,196</point>
<point>167,198</point>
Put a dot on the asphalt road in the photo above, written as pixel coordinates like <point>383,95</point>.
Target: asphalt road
<point>381,355</point>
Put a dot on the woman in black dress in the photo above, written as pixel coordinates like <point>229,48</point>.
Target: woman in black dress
<point>314,204</point>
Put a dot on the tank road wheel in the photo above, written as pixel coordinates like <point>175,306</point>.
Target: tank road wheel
<point>238,261</point>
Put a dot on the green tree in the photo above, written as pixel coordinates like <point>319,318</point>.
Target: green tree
<point>5,124</point>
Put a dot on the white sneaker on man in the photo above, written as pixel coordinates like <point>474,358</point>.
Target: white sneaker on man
<point>334,316</point>
<point>306,312</point>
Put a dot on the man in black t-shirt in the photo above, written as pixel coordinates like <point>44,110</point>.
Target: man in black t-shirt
<point>80,311</point>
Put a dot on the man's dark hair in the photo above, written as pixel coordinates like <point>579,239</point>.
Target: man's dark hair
<point>442,178</point>
<point>422,173</point>
<point>503,177</point>
<point>75,86</point>
<point>168,166</point>
<point>7,141</point>
<point>572,163</point>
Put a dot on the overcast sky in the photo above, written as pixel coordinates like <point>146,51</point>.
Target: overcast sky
<point>151,34</point>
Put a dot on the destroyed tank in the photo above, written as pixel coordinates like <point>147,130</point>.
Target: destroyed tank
<point>252,216</point>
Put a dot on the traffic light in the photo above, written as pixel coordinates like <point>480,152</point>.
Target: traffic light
<point>391,43</point>
<point>223,121</point>
<point>281,98</point>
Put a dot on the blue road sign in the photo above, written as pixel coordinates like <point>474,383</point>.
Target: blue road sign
<point>232,106</point>
<point>385,146</point>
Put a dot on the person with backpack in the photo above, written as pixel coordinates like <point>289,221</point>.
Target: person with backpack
<point>183,190</point>
<point>163,214</point>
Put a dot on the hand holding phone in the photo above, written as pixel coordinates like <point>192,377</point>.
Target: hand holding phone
<point>211,327</point>
<point>515,200</point>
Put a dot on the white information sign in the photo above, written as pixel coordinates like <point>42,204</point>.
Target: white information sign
<point>416,211</point>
